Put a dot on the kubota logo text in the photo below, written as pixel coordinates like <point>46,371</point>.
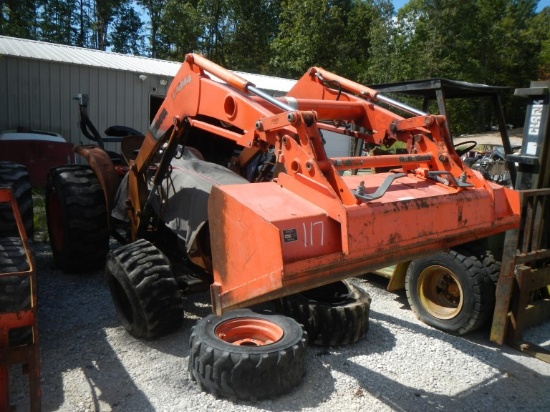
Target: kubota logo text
<point>180,86</point>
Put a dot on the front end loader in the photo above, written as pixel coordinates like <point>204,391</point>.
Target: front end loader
<point>236,185</point>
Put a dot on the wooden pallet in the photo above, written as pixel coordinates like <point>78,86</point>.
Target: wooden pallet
<point>523,291</point>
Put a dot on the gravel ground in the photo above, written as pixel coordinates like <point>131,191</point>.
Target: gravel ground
<point>89,363</point>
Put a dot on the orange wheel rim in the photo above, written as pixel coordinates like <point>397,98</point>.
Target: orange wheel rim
<point>249,332</point>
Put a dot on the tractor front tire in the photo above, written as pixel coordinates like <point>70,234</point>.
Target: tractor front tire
<point>15,175</point>
<point>452,291</point>
<point>15,291</point>
<point>247,355</point>
<point>333,315</point>
<point>145,293</point>
<point>77,219</point>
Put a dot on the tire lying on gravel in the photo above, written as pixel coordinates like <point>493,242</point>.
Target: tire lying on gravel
<point>15,175</point>
<point>453,291</point>
<point>246,355</point>
<point>77,219</point>
<point>145,293</point>
<point>333,315</point>
<point>15,292</point>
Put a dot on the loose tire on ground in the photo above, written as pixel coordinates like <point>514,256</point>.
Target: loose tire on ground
<point>15,292</point>
<point>246,355</point>
<point>452,291</point>
<point>145,293</point>
<point>77,219</point>
<point>15,175</point>
<point>333,315</point>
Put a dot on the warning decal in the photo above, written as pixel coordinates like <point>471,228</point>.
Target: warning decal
<point>290,235</point>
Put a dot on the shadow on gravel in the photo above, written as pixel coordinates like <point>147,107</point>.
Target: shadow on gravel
<point>195,307</point>
<point>509,386</point>
<point>86,351</point>
<point>75,340</point>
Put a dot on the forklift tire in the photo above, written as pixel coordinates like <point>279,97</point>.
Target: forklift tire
<point>145,293</point>
<point>452,291</point>
<point>246,355</point>
<point>77,219</point>
<point>15,291</point>
<point>15,175</point>
<point>333,315</point>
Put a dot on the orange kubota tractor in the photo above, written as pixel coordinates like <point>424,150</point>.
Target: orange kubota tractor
<point>237,185</point>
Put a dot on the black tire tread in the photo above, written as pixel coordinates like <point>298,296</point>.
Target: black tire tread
<point>15,175</point>
<point>479,270</point>
<point>151,285</point>
<point>491,265</point>
<point>241,374</point>
<point>327,324</point>
<point>85,224</point>
<point>15,292</point>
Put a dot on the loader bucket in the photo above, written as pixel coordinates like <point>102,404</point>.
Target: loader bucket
<point>307,225</point>
<point>278,238</point>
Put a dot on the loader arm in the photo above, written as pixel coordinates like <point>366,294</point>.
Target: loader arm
<point>195,100</point>
<point>310,226</point>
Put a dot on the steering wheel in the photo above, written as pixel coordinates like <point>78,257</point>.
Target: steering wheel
<point>470,144</point>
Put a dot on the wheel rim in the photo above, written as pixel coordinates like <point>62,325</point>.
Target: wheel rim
<point>54,220</point>
<point>249,332</point>
<point>440,292</point>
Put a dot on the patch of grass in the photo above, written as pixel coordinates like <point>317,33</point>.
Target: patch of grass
<point>40,221</point>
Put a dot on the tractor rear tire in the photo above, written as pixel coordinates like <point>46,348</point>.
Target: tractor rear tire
<point>15,175</point>
<point>452,291</point>
<point>246,355</point>
<point>491,265</point>
<point>145,293</point>
<point>77,219</point>
<point>15,291</point>
<point>333,315</point>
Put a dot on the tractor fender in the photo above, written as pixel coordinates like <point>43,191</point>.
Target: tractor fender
<point>104,169</point>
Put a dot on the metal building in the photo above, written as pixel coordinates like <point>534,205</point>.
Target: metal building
<point>39,80</point>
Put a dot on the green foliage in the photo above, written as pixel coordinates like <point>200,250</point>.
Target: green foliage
<point>56,22</point>
<point>18,18</point>
<point>252,29</point>
<point>179,31</point>
<point>335,35</point>
<point>154,9</point>
<point>104,12</point>
<point>310,34</point>
<point>496,42</point>
<point>98,24</point>
<point>127,35</point>
<point>539,30</point>
<point>233,33</point>
<point>479,41</point>
<point>39,216</point>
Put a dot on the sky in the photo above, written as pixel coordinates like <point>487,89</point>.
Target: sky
<point>397,4</point>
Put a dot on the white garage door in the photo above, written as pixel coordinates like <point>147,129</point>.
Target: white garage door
<point>337,145</point>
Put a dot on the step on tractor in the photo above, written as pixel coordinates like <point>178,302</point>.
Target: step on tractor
<point>231,189</point>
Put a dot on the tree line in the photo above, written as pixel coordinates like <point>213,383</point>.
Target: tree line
<point>496,42</point>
